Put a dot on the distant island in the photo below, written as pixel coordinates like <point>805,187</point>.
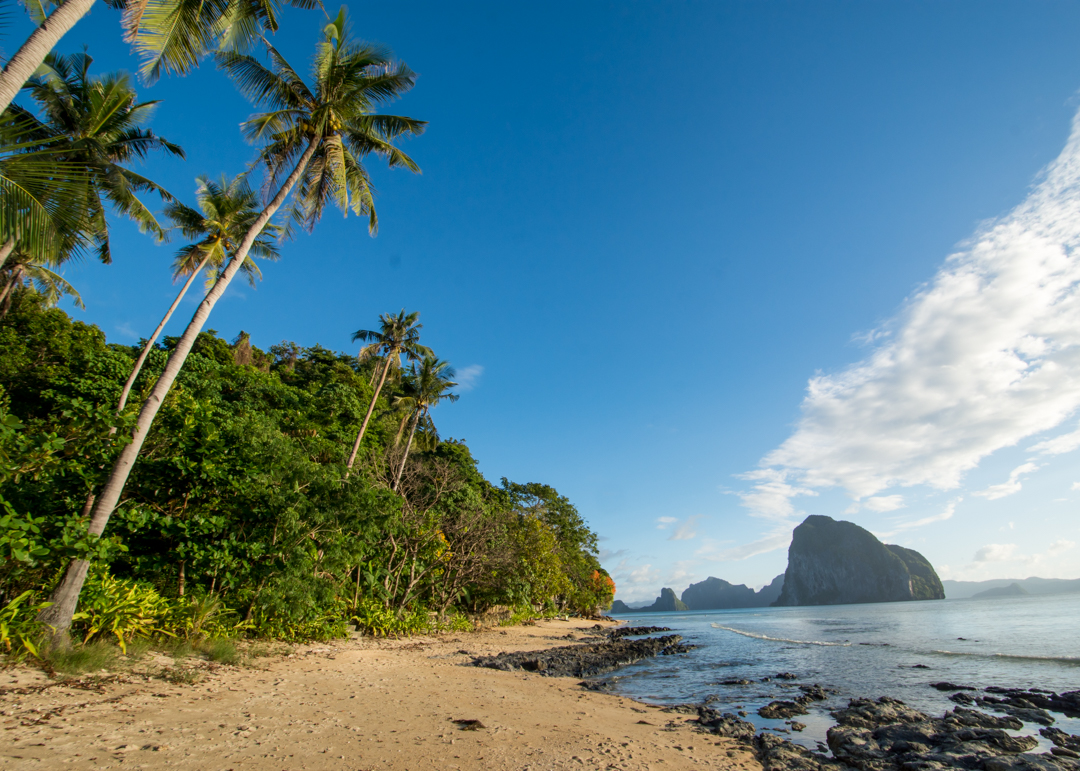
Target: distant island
<point>1001,592</point>
<point>830,562</point>
<point>833,562</point>
<point>963,590</point>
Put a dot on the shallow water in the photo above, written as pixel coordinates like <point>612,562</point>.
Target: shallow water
<point>864,650</point>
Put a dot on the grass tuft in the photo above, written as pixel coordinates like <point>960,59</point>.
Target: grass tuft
<point>91,657</point>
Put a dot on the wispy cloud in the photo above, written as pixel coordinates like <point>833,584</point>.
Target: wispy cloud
<point>993,492</point>
<point>468,377</point>
<point>663,523</point>
<point>778,538</point>
<point>946,513</point>
<point>126,330</point>
<point>982,357</point>
<point>687,529</point>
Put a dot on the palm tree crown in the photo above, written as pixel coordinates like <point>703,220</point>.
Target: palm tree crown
<point>335,115</point>
<point>430,384</point>
<point>95,125</point>
<point>227,210</point>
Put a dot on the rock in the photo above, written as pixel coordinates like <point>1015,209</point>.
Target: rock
<point>786,676</point>
<point>947,686</point>
<point>587,660</point>
<point>778,754</point>
<point>778,710</point>
<point>962,698</point>
<point>1061,739</point>
<point>1061,752</point>
<point>636,631</point>
<point>1027,762</point>
<point>868,713</point>
<point>665,603</point>
<point>797,726</point>
<point>833,562</point>
<point>734,682</point>
<point>725,724</point>
<point>812,693</point>
<point>973,718</point>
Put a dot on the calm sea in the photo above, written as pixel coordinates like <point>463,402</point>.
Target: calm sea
<point>864,650</point>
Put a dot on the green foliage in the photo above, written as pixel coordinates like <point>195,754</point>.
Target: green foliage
<point>239,520</point>
<point>18,627</point>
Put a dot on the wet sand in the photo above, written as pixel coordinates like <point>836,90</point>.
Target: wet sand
<point>355,704</point>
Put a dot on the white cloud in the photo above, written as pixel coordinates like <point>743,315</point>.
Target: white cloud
<point>664,522</point>
<point>993,492</point>
<point>1058,445</point>
<point>1075,486</point>
<point>995,552</point>
<point>1060,547</point>
<point>469,377</point>
<point>884,503</point>
<point>778,538</point>
<point>126,330</point>
<point>946,513</point>
<point>982,357</point>
<point>687,529</point>
<point>771,496</point>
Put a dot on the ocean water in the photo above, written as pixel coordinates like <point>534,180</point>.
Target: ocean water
<point>867,650</point>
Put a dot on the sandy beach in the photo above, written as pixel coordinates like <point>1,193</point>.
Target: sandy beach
<point>355,704</point>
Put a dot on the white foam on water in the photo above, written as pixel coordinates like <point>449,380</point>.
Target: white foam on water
<point>780,639</point>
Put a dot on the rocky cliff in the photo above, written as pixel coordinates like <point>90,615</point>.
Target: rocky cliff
<point>665,603</point>
<point>717,594</point>
<point>833,562</point>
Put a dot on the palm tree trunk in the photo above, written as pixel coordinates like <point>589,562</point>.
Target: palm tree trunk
<point>370,409</point>
<point>6,250</point>
<point>8,293</point>
<point>405,457</point>
<point>153,338</point>
<point>66,596</point>
<point>33,52</point>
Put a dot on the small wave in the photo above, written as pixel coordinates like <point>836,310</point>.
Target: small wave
<point>1073,660</point>
<point>780,639</point>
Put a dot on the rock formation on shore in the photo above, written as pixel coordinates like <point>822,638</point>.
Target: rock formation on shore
<point>665,603</point>
<point>833,562</point>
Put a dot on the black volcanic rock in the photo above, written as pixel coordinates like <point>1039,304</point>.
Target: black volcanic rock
<point>833,562</point>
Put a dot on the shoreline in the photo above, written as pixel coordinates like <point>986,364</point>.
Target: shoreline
<point>356,704</point>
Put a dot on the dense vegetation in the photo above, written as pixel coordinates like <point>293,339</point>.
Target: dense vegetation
<point>192,486</point>
<point>241,490</point>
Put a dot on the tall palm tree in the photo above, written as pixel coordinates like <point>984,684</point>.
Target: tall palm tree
<point>38,276</point>
<point>171,35</point>
<point>397,336</point>
<point>96,124</point>
<point>431,382</point>
<point>349,82</point>
<point>227,210</point>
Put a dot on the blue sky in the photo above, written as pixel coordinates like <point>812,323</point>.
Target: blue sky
<point>645,230</point>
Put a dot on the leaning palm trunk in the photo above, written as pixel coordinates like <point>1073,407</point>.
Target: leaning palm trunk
<point>6,250</point>
<point>66,596</point>
<point>153,338</point>
<point>367,418</point>
<point>7,293</point>
<point>405,457</point>
<point>33,52</point>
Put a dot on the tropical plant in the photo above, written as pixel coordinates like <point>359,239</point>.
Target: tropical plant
<point>36,273</point>
<point>431,382</point>
<point>226,212</point>
<point>171,35</point>
<point>350,79</point>
<point>397,336</point>
<point>96,124</point>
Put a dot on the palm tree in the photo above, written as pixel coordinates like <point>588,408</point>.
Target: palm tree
<point>398,335</point>
<point>22,268</point>
<point>349,82</point>
<point>171,35</point>
<point>431,382</point>
<point>227,210</point>
<point>97,125</point>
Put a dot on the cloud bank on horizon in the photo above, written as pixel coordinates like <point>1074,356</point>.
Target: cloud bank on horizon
<point>984,356</point>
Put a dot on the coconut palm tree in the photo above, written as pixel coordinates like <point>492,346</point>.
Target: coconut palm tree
<point>350,81</point>
<point>397,336</point>
<point>171,35</point>
<point>431,382</point>
<point>96,124</point>
<point>37,275</point>
<point>227,210</point>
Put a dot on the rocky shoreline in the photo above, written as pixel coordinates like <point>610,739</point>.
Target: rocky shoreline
<point>608,652</point>
<point>887,735</point>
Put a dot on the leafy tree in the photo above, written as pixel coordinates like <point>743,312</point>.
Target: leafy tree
<point>349,80</point>
<point>397,336</point>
